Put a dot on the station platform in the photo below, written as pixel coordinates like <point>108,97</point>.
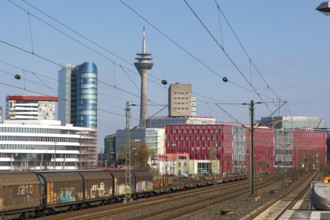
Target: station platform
<point>305,214</point>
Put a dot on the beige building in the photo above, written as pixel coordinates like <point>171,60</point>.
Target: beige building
<point>180,100</point>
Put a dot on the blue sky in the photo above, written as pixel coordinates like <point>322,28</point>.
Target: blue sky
<point>287,42</point>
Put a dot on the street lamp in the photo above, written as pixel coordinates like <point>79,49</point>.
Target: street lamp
<point>324,8</point>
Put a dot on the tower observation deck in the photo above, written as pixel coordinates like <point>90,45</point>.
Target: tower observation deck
<point>143,65</point>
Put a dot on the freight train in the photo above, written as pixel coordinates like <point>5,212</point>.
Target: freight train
<point>38,193</point>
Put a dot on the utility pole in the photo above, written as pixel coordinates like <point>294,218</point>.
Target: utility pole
<point>252,147</point>
<point>251,108</point>
<point>128,190</point>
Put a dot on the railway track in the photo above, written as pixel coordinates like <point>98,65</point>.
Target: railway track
<point>283,202</point>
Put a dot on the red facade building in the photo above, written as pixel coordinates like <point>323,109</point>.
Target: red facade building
<point>309,148</point>
<point>263,149</point>
<point>230,144</point>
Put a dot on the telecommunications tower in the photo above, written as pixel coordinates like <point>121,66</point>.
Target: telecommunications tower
<point>143,65</point>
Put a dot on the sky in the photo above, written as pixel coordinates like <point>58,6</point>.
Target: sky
<point>270,52</point>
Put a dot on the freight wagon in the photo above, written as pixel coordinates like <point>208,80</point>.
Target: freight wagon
<point>20,194</point>
<point>39,193</point>
<point>32,194</point>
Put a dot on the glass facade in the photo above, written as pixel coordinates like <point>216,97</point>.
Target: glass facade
<point>239,149</point>
<point>86,99</point>
<point>64,94</point>
<point>293,122</point>
<point>283,149</point>
<point>160,122</point>
<point>78,95</point>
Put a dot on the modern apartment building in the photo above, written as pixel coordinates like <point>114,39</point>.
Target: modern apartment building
<point>77,93</point>
<point>180,100</point>
<point>28,107</point>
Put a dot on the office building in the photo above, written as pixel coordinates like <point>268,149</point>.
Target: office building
<point>227,147</point>
<point>77,93</point>
<point>180,100</point>
<point>46,145</point>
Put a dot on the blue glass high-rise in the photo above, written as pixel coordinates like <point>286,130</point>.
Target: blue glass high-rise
<point>77,91</point>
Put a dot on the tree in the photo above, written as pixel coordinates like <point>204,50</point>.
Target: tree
<point>140,154</point>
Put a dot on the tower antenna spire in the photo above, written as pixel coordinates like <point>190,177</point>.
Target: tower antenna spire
<point>144,45</point>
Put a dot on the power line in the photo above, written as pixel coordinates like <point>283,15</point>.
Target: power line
<point>116,63</point>
<point>243,48</point>
<point>224,51</point>
<point>34,54</point>
<point>181,47</point>
<point>82,36</point>
<point>77,34</point>
<point>93,42</point>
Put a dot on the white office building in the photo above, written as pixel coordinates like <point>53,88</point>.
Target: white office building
<point>46,145</point>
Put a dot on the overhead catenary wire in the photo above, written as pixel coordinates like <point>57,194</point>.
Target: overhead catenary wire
<point>81,34</point>
<point>56,63</point>
<point>230,115</point>
<point>220,28</point>
<point>224,51</point>
<point>45,84</point>
<point>190,54</point>
<point>35,92</point>
<point>31,38</point>
<point>243,48</point>
<point>182,48</point>
<point>34,54</point>
<point>196,93</point>
<point>75,41</point>
<point>79,42</point>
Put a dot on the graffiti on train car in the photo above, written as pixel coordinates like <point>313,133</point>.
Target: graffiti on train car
<point>67,194</point>
<point>121,188</point>
<point>143,186</point>
<point>62,194</point>
<point>99,190</point>
<point>23,190</point>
